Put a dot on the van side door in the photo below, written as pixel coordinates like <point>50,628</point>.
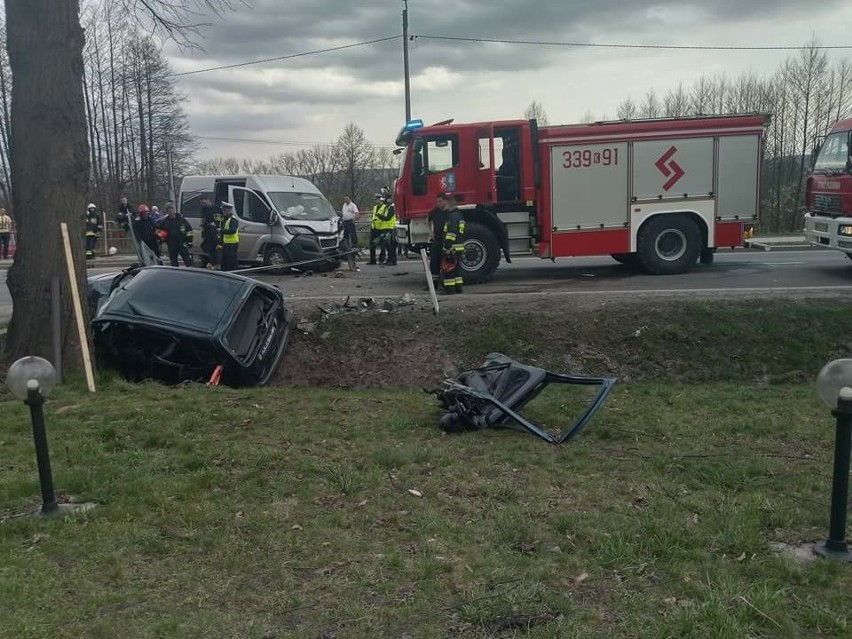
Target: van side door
<point>253,215</point>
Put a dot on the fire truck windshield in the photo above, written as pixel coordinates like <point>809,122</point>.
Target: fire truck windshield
<point>835,153</point>
<point>402,155</point>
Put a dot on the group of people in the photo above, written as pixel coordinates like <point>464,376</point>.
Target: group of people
<point>447,227</point>
<point>219,233</point>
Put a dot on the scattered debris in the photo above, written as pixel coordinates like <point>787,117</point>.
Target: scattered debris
<point>414,492</point>
<point>491,395</point>
<point>389,305</point>
<point>306,326</point>
<point>580,578</point>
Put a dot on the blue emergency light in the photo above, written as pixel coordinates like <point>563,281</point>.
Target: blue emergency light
<point>414,124</point>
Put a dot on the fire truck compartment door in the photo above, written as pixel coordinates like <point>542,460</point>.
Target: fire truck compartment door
<point>589,186</point>
<point>739,171</point>
<point>668,169</point>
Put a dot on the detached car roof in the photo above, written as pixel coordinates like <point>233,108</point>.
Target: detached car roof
<point>192,299</point>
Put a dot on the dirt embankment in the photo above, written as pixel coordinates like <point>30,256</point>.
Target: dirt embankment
<point>753,341</point>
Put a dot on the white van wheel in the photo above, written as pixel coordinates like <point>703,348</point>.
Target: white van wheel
<point>275,256</point>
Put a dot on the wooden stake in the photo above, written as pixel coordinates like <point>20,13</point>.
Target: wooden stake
<point>429,281</point>
<point>78,308</point>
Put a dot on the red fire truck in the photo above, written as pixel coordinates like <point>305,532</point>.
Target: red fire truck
<point>661,194</point>
<point>828,196</point>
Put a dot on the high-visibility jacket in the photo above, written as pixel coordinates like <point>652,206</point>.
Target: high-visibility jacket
<point>5,224</point>
<point>230,231</point>
<point>384,217</point>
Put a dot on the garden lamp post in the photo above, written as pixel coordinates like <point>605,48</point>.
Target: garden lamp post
<point>834,385</point>
<point>31,379</point>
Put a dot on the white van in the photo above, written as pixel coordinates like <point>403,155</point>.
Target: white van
<point>282,220</point>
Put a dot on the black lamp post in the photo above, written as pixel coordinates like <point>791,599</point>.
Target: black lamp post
<point>834,384</point>
<point>31,379</point>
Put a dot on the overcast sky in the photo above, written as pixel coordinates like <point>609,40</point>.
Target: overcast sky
<point>310,99</point>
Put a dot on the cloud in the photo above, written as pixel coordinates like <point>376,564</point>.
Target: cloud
<point>312,97</point>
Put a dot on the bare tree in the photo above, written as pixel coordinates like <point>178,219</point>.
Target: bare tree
<point>626,110</point>
<point>651,106</point>
<point>352,153</point>
<point>536,111</point>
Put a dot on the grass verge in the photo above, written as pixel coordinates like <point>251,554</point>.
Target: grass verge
<point>765,341</point>
<point>288,513</point>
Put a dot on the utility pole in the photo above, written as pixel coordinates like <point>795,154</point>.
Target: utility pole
<point>171,175</point>
<point>405,62</point>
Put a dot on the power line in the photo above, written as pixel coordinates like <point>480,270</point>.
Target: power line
<point>603,45</point>
<point>291,56</point>
<point>277,143</point>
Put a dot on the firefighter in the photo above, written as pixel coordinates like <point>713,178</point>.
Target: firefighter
<point>144,229</point>
<point>93,230</point>
<point>452,246</point>
<point>211,221</point>
<point>437,218</point>
<point>179,236</point>
<point>229,238</point>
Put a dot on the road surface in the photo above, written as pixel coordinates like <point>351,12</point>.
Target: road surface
<point>792,273</point>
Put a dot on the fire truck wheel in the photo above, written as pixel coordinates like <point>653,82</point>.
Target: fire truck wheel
<point>481,253</point>
<point>669,244</point>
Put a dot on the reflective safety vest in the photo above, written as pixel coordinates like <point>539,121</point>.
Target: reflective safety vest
<point>230,231</point>
<point>384,217</point>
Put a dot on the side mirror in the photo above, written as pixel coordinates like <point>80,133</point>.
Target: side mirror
<point>273,218</point>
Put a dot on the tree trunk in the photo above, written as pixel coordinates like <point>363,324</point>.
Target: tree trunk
<point>49,165</point>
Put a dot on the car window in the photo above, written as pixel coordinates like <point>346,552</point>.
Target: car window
<point>190,204</point>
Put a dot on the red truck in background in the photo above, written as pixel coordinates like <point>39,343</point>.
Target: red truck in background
<point>828,194</point>
<point>661,194</point>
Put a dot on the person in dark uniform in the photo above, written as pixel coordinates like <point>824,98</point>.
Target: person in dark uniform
<point>230,238</point>
<point>452,246</point>
<point>211,221</point>
<point>93,230</point>
<point>144,229</point>
<point>125,213</point>
<point>179,234</point>
<point>437,218</point>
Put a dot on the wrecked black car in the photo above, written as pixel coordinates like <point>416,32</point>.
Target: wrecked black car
<point>178,324</point>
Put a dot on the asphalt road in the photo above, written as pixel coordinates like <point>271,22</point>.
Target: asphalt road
<point>741,273</point>
<point>792,273</point>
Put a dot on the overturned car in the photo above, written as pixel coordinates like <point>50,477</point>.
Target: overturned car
<point>176,325</point>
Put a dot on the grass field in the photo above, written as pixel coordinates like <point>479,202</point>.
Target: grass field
<point>289,513</point>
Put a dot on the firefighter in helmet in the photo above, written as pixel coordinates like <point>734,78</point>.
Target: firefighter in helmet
<point>452,245</point>
<point>93,230</point>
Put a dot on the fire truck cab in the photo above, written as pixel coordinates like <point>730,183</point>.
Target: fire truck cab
<point>658,193</point>
<point>828,195</point>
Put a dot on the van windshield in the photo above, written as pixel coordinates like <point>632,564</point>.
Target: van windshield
<point>302,206</point>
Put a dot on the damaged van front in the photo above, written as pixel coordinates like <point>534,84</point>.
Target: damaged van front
<point>175,325</point>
